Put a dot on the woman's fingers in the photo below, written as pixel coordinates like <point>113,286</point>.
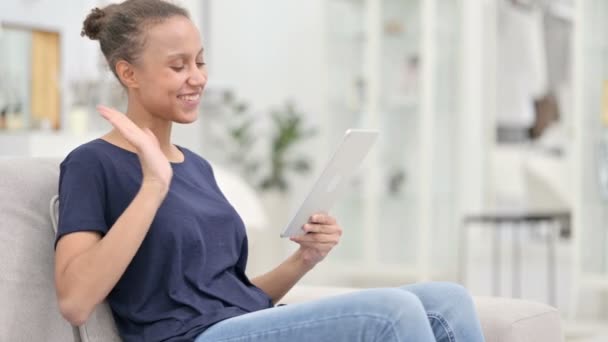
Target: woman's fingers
<point>155,165</point>
<point>116,118</point>
<point>322,228</point>
<point>322,235</point>
<point>316,238</point>
<point>322,218</point>
<point>317,246</point>
<point>123,124</point>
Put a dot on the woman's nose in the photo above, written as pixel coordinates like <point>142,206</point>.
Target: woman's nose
<point>198,76</point>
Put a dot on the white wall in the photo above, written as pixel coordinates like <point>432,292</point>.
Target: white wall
<point>269,52</point>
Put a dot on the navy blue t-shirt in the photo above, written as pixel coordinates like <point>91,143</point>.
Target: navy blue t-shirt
<point>190,269</point>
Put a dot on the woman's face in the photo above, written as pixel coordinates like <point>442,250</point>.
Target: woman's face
<point>171,72</point>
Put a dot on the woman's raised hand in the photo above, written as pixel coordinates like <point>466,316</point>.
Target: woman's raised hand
<point>155,165</point>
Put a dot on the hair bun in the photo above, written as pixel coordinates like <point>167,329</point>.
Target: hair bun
<point>93,24</point>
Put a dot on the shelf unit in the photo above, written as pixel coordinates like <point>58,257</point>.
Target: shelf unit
<point>392,67</point>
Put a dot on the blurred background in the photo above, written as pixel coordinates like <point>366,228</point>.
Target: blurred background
<point>491,168</point>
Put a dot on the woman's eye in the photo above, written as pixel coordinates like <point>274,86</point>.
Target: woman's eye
<point>200,64</point>
<point>178,68</point>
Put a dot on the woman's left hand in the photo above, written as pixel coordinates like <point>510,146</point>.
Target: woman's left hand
<point>322,234</point>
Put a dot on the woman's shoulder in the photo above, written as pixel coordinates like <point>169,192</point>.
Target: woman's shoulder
<point>90,153</point>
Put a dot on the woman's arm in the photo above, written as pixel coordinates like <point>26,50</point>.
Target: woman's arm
<point>87,266</point>
<point>322,234</point>
<point>280,280</point>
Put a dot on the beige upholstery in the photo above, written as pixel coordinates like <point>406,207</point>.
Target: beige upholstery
<point>28,309</point>
<point>506,320</point>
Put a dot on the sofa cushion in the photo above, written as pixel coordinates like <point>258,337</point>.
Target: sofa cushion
<point>27,292</point>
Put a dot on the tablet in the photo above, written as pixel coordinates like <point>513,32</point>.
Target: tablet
<point>354,147</point>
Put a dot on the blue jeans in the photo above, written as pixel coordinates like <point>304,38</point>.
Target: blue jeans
<point>414,313</point>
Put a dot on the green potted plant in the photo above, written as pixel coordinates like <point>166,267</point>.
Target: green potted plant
<point>231,130</point>
<point>265,161</point>
<point>287,131</point>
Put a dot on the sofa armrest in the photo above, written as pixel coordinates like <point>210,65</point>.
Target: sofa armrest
<point>506,320</point>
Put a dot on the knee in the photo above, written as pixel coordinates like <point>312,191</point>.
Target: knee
<point>385,314</point>
<point>453,290</point>
<point>395,304</point>
<point>445,292</point>
<point>402,314</point>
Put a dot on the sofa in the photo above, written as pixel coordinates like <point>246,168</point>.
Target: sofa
<point>28,307</point>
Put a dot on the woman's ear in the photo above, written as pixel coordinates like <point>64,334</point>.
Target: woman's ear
<point>126,74</point>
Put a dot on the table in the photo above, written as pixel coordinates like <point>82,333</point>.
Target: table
<point>558,222</point>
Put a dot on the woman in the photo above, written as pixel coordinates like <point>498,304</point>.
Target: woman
<point>143,224</point>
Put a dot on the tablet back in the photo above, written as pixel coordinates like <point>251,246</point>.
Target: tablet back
<point>345,160</point>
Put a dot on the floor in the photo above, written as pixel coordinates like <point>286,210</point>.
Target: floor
<point>586,332</point>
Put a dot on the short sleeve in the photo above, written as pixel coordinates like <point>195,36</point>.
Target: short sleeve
<point>82,197</point>
<point>210,175</point>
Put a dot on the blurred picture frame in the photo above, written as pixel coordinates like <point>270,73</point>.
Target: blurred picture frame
<point>30,68</point>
